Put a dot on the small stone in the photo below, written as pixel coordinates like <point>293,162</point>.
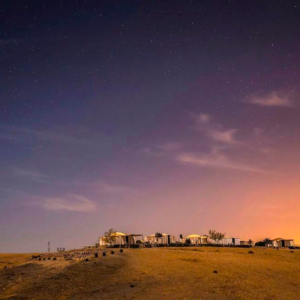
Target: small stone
<point>112,252</point>
<point>132,285</point>
<point>251,252</point>
<point>215,272</point>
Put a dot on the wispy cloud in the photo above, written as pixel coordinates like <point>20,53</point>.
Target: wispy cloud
<point>215,131</point>
<point>70,202</point>
<point>170,146</point>
<point>9,42</point>
<point>215,160</point>
<point>114,189</point>
<point>33,175</point>
<point>18,134</point>
<point>271,100</point>
<point>223,136</point>
<point>202,118</point>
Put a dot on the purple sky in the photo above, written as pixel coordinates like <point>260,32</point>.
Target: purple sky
<point>158,116</point>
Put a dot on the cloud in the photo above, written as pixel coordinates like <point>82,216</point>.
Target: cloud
<point>34,175</point>
<point>170,146</point>
<point>18,134</point>
<point>216,132</point>
<point>215,160</point>
<point>225,136</point>
<point>271,100</point>
<point>70,202</point>
<point>203,118</point>
<point>9,41</point>
<point>114,189</point>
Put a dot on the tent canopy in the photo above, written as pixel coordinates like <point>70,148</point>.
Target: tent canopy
<point>194,235</point>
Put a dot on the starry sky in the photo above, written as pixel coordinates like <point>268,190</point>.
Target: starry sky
<point>148,116</point>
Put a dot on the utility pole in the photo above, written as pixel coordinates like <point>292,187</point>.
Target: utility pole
<point>49,248</point>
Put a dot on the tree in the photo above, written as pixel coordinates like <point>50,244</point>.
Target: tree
<point>109,236</point>
<point>250,242</point>
<point>216,236</point>
<point>260,244</point>
<point>188,241</point>
<point>267,242</point>
<point>180,236</point>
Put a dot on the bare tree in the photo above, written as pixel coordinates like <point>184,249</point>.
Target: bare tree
<point>109,237</point>
<point>216,236</point>
<point>250,242</point>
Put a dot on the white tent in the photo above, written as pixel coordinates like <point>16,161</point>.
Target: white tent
<point>164,239</point>
<point>197,239</point>
<point>280,242</point>
<point>117,238</point>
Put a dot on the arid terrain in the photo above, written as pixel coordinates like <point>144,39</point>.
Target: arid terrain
<point>159,273</point>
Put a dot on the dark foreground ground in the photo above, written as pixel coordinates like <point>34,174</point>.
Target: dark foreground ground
<point>161,273</point>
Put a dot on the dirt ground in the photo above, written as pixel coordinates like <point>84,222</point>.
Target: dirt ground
<point>159,273</point>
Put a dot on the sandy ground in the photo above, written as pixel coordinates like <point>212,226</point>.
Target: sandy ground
<point>161,273</point>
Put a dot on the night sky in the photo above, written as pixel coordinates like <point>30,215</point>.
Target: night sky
<point>148,116</point>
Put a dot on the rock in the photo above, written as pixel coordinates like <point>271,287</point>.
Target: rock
<point>54,258</point>
<point>215,272</point>
<point>104,254</point>
<point>251,252</point>
<point>96,255</point>
<point>121,250</point>
<point>86,259</point>
<point>112,252</point>
<point>132,285</point>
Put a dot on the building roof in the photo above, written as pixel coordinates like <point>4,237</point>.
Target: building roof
<point>194,235</point>
<point>118,234</point>
<point>281,239</point>
<point>155,233</point>
<point>134,234</point>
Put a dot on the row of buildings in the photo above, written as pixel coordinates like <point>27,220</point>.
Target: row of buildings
<point>120,238</point>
